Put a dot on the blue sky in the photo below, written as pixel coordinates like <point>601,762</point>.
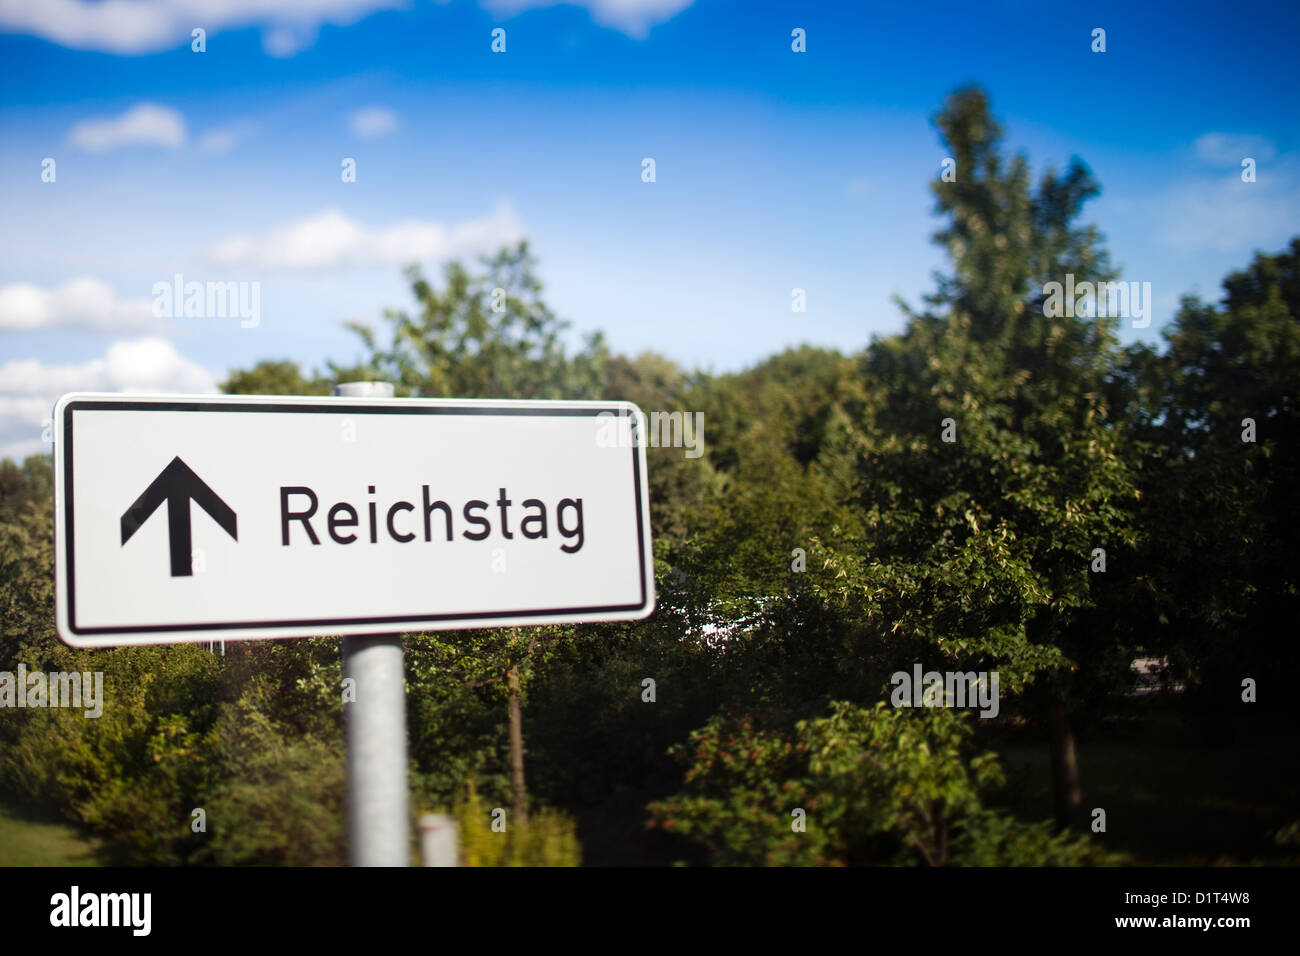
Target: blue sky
<point>774,169</point>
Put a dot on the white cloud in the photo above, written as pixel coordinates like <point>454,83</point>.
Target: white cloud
<point>136,27</point>
<point>1229,149</point>
<point>372,121</point>
<point>83,303</point>
<point>1224,214</point>
<point>29,387</point>
<point>284,41</point>
<point>225,138</point>
<point>218,141</point>
<point>332,240</point>
<point>146,124</point>
<point>633,17</point>
<point>139,27</point>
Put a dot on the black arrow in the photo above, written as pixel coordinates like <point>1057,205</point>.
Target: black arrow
<point>178,485</point>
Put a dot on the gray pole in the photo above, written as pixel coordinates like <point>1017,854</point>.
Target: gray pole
<point>378,815</point>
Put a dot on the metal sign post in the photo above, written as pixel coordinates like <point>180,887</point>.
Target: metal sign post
<point>375,720</point>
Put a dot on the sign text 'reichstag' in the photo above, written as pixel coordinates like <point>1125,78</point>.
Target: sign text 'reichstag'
<point>440,520</point>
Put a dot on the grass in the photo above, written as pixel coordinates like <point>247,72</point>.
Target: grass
<point>28,841</point>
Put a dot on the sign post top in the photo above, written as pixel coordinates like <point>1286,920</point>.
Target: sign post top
<point>364,390</point>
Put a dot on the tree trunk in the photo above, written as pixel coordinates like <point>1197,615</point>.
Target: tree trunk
<point>518,792</point>
<point>1065,766</point>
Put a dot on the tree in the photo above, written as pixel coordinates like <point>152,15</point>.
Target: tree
<point>682,480</point>
<point>1223,511</point>
<point>977,550</point>
<point>489,335</point>
<point>275,378</point>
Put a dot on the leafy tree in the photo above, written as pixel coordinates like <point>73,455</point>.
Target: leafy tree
<point>1224,559</point>
<point>489,335</point>
<point>31,483</point>
<point>683,481</point>
<point>275,378</point>
<point>766,428</point>
<point>976,551</point>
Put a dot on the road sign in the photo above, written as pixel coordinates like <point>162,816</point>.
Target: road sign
<point>185,518</point>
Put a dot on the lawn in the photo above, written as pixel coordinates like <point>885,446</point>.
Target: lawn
<point>25,841</point>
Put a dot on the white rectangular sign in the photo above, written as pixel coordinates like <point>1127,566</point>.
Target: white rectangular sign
<point>184,518</point>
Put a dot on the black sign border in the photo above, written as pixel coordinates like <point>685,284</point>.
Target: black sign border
<point>334,407</point>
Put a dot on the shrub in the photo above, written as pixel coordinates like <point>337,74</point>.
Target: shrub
<point>878,785</point>
<point>279,798</point>
<point>549,839</point>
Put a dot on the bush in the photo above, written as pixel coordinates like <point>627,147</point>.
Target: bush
<point>878,785</point>
<point>131,774</point>
<point>279,799</point>
<point>549,839</point>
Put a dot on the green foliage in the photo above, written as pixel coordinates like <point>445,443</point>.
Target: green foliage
<point>877,785</point>
<point>591,729</point>
<point>549,839</point>
<point>134,773</point>
<point>26,558</point>
<point>456,712</point>
<point>471,341</point>
<point>979,548</point>
<point>275,378</point>
<point>21,486</point>
<point>267,768</point>
<point>679,486</point>
<point>1225,588</point>
<point>280,796</point>
<point>742,785</point>
<point>995,839</point>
